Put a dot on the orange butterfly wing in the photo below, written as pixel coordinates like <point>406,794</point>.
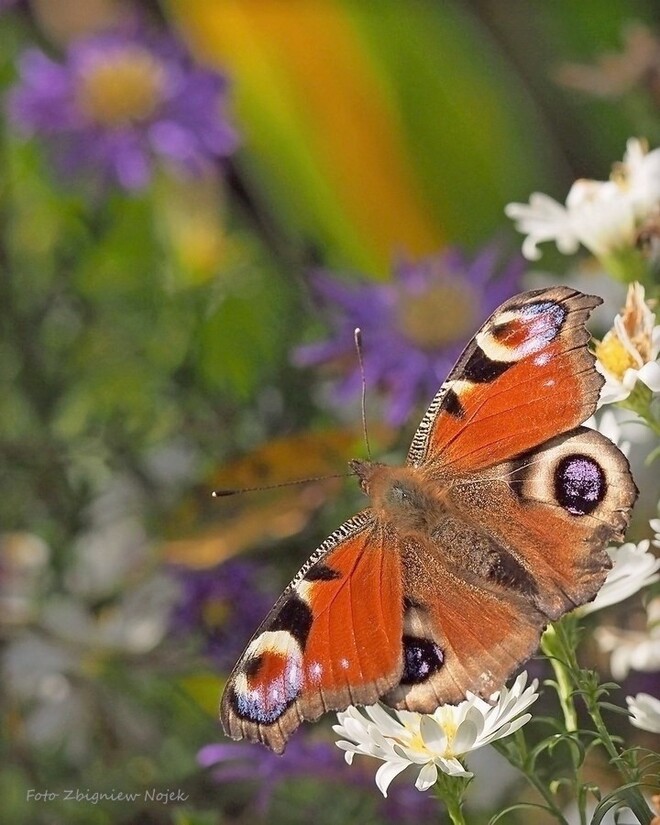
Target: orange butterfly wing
<point>480,630</point>
<point>333,638</point>
<point>525,377</point>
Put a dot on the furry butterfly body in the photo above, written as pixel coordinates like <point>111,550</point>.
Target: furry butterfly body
<point>496,525</point>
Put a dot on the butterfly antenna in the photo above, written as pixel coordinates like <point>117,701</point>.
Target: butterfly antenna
<point>357,335</point>
<point>234,491</point>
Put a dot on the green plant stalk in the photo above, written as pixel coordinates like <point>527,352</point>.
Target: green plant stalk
<point>628,265</point>
<point>633,796</point>
<point>521,763</point>
<point>450,790</point>
<point>640,402</point>
<point>560,645</point>
<point>553,645</point>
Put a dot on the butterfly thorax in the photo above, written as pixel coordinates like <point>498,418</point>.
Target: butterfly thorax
<point>401,497</point>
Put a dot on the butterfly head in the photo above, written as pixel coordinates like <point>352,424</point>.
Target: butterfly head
<point>365,471</point>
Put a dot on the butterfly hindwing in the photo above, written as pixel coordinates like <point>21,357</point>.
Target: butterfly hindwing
<point>333,639</point>
<point>554,508</point>
<point>461,631</point>
<point>526,376</point>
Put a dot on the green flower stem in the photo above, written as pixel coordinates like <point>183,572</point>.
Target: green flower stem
<point>628,265</point>
<point>450,790</point>
<point>640,402</point>
<point>559,643</point>
<point>633,796</point>
<point>562,658</point>
<point>516,752</point>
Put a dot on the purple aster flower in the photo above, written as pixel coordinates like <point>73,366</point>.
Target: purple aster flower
<point>117,103</point>
<point>414,327</point>
<point>224,605</point>
<point>307,758</point>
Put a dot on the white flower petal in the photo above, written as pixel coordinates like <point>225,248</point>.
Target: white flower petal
<point>386,724</point>
<point>603,216</point>
<point>633,649</point>
<point>408,738</point>
<point>428,776</point>
<point>634,568</point>
<point>466,736</point>
<point>387,772</point>
<point>433,734</point>
<point>645,711</point>
<point>649,374</point>
<point>543,219</point>
<point>452,767</point>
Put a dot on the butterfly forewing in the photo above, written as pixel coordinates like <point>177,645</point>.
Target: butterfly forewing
<point>333,639</point>
<point>526,376</point>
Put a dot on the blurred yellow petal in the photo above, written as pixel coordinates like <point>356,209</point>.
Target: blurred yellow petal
<point>190,215</point>
<point>301,70</point>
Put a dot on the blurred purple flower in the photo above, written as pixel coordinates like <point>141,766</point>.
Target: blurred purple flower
<point>414,327</point>
<point>224,605</point>
<point>118,102</point>
<point>306,758</point>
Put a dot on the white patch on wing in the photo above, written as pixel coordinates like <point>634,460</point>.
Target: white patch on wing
<point>273,641</point>
<point>304,591</point>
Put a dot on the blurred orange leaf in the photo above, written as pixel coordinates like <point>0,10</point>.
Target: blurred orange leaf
<point>244,521</point>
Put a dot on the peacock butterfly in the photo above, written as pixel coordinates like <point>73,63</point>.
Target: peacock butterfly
<point>496,525</point>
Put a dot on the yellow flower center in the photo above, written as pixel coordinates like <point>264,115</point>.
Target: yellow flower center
<point>437,316</point>
<point>125,86</point>
<point>614,357</point>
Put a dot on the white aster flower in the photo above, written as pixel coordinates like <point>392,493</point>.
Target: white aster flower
<point>655,526</point>
<point>433,741</point>
<point>629,351</point>
<point>603,216</point>
<point>633,649</point>
<point>634,567</point>
<point>645,710</point>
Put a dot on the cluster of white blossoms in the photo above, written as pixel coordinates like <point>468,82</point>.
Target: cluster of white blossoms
<point>434,741</point>
<point>603,216</point>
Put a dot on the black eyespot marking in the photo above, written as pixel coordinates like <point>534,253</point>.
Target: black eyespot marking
<point>580,484</point>
<point>421,659</point>
<point>507,571</point>
<point>480,369</point>
<point>451,404</point>
<point>296,618</point>
<point>322,573</point>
